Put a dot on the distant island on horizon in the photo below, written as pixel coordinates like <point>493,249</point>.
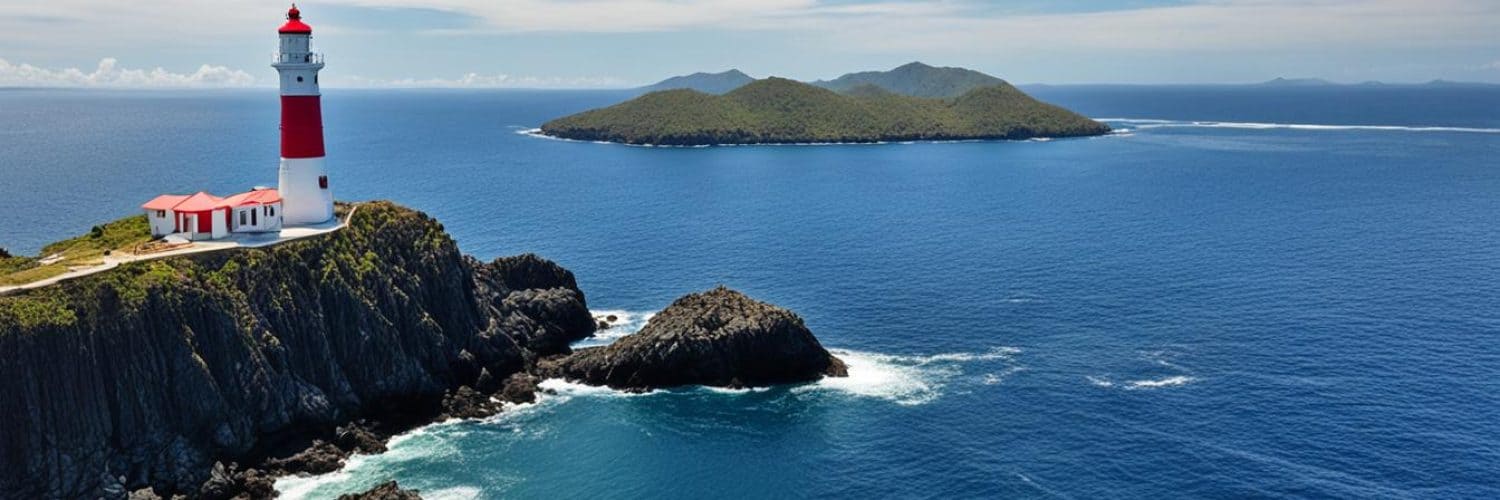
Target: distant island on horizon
<point>728,80</point>
<point>913,102</point>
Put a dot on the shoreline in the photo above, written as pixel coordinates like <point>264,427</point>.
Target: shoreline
<point>539,134</point>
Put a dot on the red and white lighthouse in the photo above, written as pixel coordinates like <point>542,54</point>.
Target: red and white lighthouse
<point>303,177</point>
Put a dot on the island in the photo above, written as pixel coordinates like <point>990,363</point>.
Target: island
<point>781,111</point>
<point>210,374</point>
<point>708,83</point>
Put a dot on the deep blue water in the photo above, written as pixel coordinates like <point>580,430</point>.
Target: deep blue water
<point>1179,310</point>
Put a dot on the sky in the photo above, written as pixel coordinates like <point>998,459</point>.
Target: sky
<point>621,43</point>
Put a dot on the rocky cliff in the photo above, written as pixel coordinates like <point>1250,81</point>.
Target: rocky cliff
<point>149,374</point>
<point>720,338</point>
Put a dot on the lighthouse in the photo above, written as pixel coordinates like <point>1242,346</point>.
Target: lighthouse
<point>303,177</point>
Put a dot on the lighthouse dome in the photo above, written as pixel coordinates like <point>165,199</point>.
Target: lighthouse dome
<point>294,24</point>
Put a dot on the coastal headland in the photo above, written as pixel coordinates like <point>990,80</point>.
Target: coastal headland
<point>208,375</point>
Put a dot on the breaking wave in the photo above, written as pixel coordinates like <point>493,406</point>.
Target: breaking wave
<point>1149,123</point>
<point>626,323</point>
<point>909,380</point>
<point>1172,381</point>
<point>1160,371</point>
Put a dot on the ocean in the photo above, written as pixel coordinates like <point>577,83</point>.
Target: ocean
<point>1243,292</point>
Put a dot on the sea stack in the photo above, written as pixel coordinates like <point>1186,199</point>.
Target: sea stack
<point>717,338</point>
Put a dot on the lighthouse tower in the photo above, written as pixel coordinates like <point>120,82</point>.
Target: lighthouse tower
<point>303,177</point>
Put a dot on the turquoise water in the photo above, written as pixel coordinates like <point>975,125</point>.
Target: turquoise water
<point>1218,301</point>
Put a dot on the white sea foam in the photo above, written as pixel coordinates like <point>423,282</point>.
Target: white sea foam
<point>297,487</point>
<point>537,133</point>
<point>881,376</point>
<point>1172,381</point>
<point>727,390</point>
<point>994,353</point>
<point>453,493</point>
<point>907,380</point>
<point>626,323</point>
<point>1099,381</point>
<point>997,378</point>
<point>1148,123</point>
<point>564,390</point>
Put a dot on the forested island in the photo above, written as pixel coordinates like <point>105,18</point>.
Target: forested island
<point>781,111</point>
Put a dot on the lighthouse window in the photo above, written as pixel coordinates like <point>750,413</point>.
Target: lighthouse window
<point>299,78</point>
<point>323,181</point>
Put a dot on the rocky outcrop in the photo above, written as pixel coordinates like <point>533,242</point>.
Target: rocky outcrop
<point>718,338</point>
<point>388,490</point>
<point>148,375</point>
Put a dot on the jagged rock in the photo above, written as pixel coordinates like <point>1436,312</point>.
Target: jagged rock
<point>520,388</point>
<point>225,483</point>
<point>357,438</point>
<point>465,402</point>
<point>156,370</point>
<point>719,338</point>
<point>388,490</point>
<point>320,458</point>
<point>220,484</point>
<point>144,494</point>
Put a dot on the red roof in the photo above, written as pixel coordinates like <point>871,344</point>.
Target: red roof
<point>257,197</point>
<point>164,202</point>
<point>199,202</point>
<point>294,22</point>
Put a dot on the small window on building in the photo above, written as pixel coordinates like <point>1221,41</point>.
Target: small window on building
<point>161,213</point>
<point>323,181</point>
<point>242,218</point>
<point>271,211</point>
<point>299,78</point>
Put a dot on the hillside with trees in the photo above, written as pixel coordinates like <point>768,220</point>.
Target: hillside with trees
<point>782,111</point>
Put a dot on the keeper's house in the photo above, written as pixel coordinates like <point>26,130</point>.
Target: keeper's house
<point>203,216</point>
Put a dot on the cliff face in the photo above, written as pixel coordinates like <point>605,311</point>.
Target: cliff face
<point>147,374</point>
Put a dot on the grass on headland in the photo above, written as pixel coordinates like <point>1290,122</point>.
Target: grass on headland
<point>88,249</point>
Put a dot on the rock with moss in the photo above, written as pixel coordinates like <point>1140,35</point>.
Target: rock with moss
<point>148,374</point>
<point>718,338</point>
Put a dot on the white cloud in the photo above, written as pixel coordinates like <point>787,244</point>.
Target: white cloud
<point>886,24</point>
<point>110,74</point>
<point>478,81</point>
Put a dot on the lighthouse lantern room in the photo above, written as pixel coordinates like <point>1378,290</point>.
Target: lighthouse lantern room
<point>303,177</point>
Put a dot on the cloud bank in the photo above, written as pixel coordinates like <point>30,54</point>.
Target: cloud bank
<point>109,74</point>
<point>478,81</point>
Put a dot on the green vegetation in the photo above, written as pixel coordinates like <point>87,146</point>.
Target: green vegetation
<point>86,250</point>
<point>779,111</point>
<point>229,273</point>
<point>917,80</point>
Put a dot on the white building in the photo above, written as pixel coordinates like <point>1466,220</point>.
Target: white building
<point>202,216</point>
